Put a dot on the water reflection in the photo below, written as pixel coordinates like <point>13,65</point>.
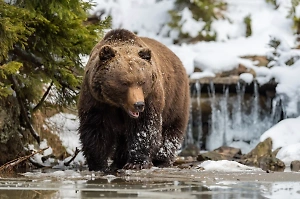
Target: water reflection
<point>121,187</point>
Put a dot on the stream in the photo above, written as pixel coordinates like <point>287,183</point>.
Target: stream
<point>151,183</point>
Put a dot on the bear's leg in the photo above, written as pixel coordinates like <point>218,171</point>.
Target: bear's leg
<point>121,154</point>
<point>172,139</point>
<point>96,147</point>
<point>144,141</point>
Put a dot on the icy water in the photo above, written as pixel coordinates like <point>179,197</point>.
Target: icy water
<point>153,183</point>
<point>235,118</point>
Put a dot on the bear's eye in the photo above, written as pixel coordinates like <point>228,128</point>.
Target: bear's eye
<point>125,83</point>
<point>145,54</point>
<point>141,83</point>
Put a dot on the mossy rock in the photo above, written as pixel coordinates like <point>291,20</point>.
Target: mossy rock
<point>263,157</point>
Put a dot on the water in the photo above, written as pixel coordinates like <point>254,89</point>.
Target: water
<point>236,120</point>
<point>194,122</point>
<point>153,183</point>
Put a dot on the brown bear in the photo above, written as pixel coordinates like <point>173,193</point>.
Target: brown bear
<point>134,103</point>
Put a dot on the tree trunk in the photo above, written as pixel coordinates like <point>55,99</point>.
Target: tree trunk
<point>11,145</point>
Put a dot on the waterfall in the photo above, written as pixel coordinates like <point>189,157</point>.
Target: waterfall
<point>189,134</point>
<point>199,115</point>
<point>276,112</point>
<point>195,134</point>
<point>236,120</point>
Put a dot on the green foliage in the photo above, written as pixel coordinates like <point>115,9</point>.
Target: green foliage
<point>277,54</point>
<point>43,42</point>
<point>247,21</point>
<point>274,43</point>
<point>5,90</point>
<point>9,68</point>
<point>273,2</point>
<point>292,15</point>
<point>6,70</point>
<point>202,10</point>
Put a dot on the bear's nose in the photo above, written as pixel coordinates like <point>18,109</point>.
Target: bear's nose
<point>139,106</point>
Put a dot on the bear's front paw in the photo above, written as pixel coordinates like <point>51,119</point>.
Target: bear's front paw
<point>138,165</point>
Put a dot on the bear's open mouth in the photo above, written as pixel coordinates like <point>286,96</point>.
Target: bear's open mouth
<point>133,114</point>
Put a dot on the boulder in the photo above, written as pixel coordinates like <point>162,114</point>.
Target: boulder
<point>221,153</point>
<point>295,165</point>
<point>190,150</point>
<point>263,157</point>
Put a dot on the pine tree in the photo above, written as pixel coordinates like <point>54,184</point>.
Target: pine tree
<point>42,43</point>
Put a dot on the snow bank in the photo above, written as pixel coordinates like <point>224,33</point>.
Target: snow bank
<point>285,134</point>
<point>146,17</point>
<point>226,166</point>
<point>289,153</point>
<point>66,125</point>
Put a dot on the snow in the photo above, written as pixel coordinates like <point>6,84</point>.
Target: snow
<point>189,24</point>
<point>66,127</point>
<point>147,17</point>
<point>226,166</point>
<point>150,17</point>
<point>246,77</point>
<point>198,75</point>
<point>289,153</point>
<point>285,134</point>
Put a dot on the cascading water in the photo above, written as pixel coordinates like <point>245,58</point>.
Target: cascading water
<point>219,119</point>
<point>235,120</point>
<point>195,122</point>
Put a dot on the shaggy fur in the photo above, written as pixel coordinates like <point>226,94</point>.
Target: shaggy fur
<point>134,103</point>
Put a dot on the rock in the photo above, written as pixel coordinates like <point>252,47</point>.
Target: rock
<point>263,157</point>
<point>221,153</point>
<point>190,150</point>
<point>270,162</point>
<point>261,149</point>
<point>211,155</point>
<point>274,153</point>
<point>295,165</point>
<point>260,60</point>
<point>229,151</point>
<point>11,143</point>
<point>237,71</point>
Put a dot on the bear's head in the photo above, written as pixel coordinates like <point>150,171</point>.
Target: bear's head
<point>123,77</point>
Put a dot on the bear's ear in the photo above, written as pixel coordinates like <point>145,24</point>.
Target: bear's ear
<point>145,54</point>
<point>106,53</point>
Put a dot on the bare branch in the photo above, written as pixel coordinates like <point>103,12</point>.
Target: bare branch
<point>9,165</point>
<point>23,109</point>
<point>43,98</point>
<point>74,156</point>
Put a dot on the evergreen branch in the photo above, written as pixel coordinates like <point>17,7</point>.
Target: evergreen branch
<point>24,110</point>
<point>29,57</point>
<point>43,98</point>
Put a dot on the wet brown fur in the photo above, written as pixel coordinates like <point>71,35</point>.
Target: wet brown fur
<point>123,69</point>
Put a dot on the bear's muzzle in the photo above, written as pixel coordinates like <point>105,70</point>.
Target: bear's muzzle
<point>135,101</point>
